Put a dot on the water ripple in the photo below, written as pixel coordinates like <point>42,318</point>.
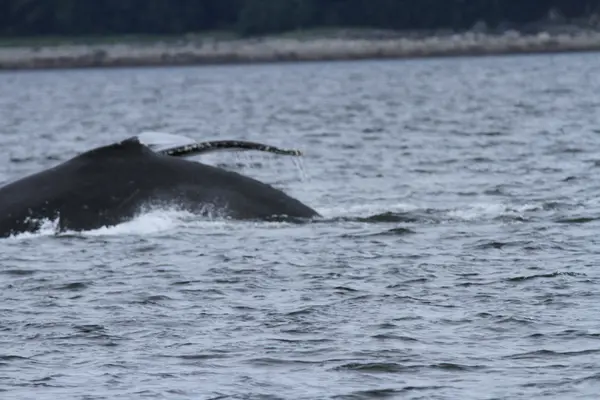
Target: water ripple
<point>456,257</point>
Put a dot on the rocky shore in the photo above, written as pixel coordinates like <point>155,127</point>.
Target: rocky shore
<point>191,50</point>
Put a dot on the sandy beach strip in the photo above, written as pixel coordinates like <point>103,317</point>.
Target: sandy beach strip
<point>202,51</point>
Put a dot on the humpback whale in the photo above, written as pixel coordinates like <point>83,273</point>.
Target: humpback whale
<point>109,185</point>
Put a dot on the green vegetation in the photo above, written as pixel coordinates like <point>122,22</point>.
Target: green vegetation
<point>147,18</point>
<point>126,38</point>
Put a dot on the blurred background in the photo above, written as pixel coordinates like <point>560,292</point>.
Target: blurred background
<point>253,17</point>
<point>214,30</point>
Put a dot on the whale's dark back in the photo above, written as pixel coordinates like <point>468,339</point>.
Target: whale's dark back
<point>106,186</point>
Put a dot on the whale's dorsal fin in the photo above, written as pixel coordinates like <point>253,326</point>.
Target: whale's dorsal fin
<point>182,146</point>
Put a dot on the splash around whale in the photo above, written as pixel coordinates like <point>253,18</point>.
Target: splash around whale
<point>111,184</point>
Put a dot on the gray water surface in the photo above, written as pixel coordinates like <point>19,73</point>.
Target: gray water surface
<point>457,257</point>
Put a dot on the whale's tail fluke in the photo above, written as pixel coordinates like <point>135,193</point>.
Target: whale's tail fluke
<point>182,146</point>
<point>217,145</point>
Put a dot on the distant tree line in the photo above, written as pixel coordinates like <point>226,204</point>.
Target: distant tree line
<point>253,17</point>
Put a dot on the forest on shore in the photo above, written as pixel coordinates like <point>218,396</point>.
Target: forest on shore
<point>22,18</point>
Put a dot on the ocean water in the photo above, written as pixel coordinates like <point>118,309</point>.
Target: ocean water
<point>457,256</point>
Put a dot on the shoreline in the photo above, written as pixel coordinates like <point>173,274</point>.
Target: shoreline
<point>190,50</point>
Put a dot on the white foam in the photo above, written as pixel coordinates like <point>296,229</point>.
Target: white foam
<point>154,221</point>
<point>165,220</point>
<point>48,228</point>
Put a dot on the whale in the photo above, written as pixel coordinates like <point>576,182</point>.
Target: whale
<point>112,184</point>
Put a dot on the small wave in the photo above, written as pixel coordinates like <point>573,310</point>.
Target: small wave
<point>490,211</point>
<point>495,244</point>
<point>551,354</point>
<point>199,357</point>
<point>567,333</point>
<point>389,336</point>
<point>359,210</point>
<point>590,378</point>
<point>576,220</point>
<point>396,217</point>
<point>555,205</point>
<point>411,213</point>
<point>11,357</point>
<point>270,361</point>
<point>18,272</point>
<point>391,367</point>
<point>538,276</point>
<point>386,393</point>
<point>90,328</point>
<point>470,213</point>
<point>74,286</point>
<point>378,367</point>
<point>152,299</point>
